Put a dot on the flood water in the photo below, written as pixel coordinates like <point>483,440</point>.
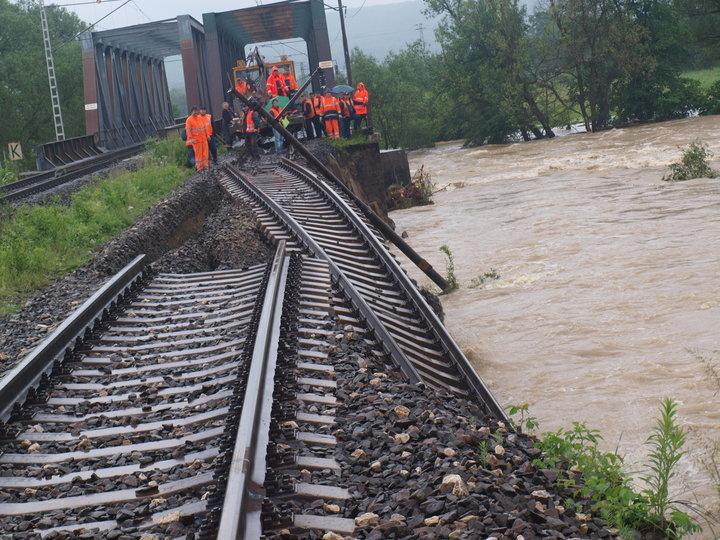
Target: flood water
<point>608,298</point>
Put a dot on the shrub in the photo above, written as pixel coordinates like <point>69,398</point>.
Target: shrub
<point>418,192</point>
<point>170,150</point>
<point>449,269</point>
<point>712,100</point>
<point>693,164</point>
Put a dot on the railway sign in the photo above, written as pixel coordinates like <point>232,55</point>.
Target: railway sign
<point>327,64</point>
<point>15,151</point>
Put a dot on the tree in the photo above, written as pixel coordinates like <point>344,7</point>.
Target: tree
<point>488,60</point>
<point>24,90</point>
<point>402,95</point>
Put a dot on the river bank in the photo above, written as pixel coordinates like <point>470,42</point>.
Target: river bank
<point>608,298</point>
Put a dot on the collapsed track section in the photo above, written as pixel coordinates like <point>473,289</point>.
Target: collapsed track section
<point>295,205</point>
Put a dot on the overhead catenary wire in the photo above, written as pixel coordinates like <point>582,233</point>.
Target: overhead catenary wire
<point>91,25</point>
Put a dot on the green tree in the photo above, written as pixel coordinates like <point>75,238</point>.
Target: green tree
<point>403,95</point>
<point>489,69</point>
<point>24,92</point>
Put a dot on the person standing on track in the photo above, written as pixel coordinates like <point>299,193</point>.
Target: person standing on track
<point>290,82</point>
<point>309,114</point>
<point>196,130</point>
<point>331,115</point>
<point>317,121</point>
<point>227,125</point>
<point>212,144</point>
<point>275,110</point>
<point>251,121</point>
<point>347,114</point>
<point>361,100</point>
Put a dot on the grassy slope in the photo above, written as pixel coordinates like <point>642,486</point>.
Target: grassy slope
<point>40,243</point>
<point>706,76</point>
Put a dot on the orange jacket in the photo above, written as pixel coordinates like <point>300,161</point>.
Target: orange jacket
<point>361,98</point>
<point>208,125</point>
<point>275,111</point>
<point>241,87</point>
<point>290,81</point>
<point>250,122</point>
<point>308,108</point>
<point>275,84</point>
<point>347,108</point>
<point>330,107</point>
<point>196,129</point>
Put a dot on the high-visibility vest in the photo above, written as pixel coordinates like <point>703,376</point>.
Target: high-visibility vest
<point>361,99</point>
<point>208,125</point>
<point>250,122</point>
<point>348,110</point>
<point>331,107</point>
<point>318,105</point>
<point>290,81</point>
<point>196,129</point>
<point>308,109</point>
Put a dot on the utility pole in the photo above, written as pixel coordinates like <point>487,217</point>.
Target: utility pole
<point>54,96</point>
<point>345,43</point>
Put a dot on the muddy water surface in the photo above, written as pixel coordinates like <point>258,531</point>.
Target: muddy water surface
<point>609,292</point>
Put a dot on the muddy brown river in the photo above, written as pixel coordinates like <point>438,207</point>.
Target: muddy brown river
<point>608,297</point>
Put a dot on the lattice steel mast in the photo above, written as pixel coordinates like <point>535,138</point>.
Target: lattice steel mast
<point>54,96</point>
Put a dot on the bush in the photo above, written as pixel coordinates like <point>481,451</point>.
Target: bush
<point>168,151</point>
<point>712,100</point>
<point>419,192</point>
<point>693,164</point>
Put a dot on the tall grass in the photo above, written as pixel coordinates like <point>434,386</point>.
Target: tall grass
<point>39,243</point>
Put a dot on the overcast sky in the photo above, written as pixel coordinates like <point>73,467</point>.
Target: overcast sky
<point>142,11</point>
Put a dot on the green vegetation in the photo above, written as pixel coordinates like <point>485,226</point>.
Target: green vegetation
<point>526,422</point>
<point>24,92</point>
<point>418,192</point>
<point>706,77</point>
<point>505,73</point>
<point>605,483</point>
<point>40,243</point>
<point>693,164</point>
<point>449,269</point>
<point>8,175</point>
<point>665,444</point>
<point>480,280</point>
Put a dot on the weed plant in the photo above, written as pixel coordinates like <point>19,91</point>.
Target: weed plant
<point>480,280</point>
<point>449,269</point>
<point>606,483</point>
<point>8,176</point>
<point>39,243</point>
<point>166,151</point>
<point>693,164</point>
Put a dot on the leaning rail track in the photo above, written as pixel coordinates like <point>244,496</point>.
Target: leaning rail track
<point>295,205</point>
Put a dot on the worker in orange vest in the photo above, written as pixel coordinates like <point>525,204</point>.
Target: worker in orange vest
<point>196,129</point>
<point>331,115</point>
<point>212,144</point>
<point>361,100</point>
<point>275,84</point>
<point>290,82</point>
<point>316,100</point>
<point>309,114</point>
<point>251,121</point>
<point>347,114</point>
<point>275,110</point>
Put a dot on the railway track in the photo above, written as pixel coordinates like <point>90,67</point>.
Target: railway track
<point>205,405</point>
<point>293,204</point>
<point>49,179</point>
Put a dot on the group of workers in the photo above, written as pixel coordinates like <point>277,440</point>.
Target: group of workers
<point>324,114</point>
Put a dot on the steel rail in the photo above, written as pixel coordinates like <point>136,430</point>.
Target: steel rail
<point>383,227</point>
<point>61,175</point>
<point>244,493</point>
<point>389,343</point>
<point>16,384</point>
<point>449,345</point>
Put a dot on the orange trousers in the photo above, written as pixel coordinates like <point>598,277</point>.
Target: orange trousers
<point>332,128</point>
<point>202,154</point>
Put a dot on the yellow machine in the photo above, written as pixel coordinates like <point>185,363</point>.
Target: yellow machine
<point>253,74</point>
